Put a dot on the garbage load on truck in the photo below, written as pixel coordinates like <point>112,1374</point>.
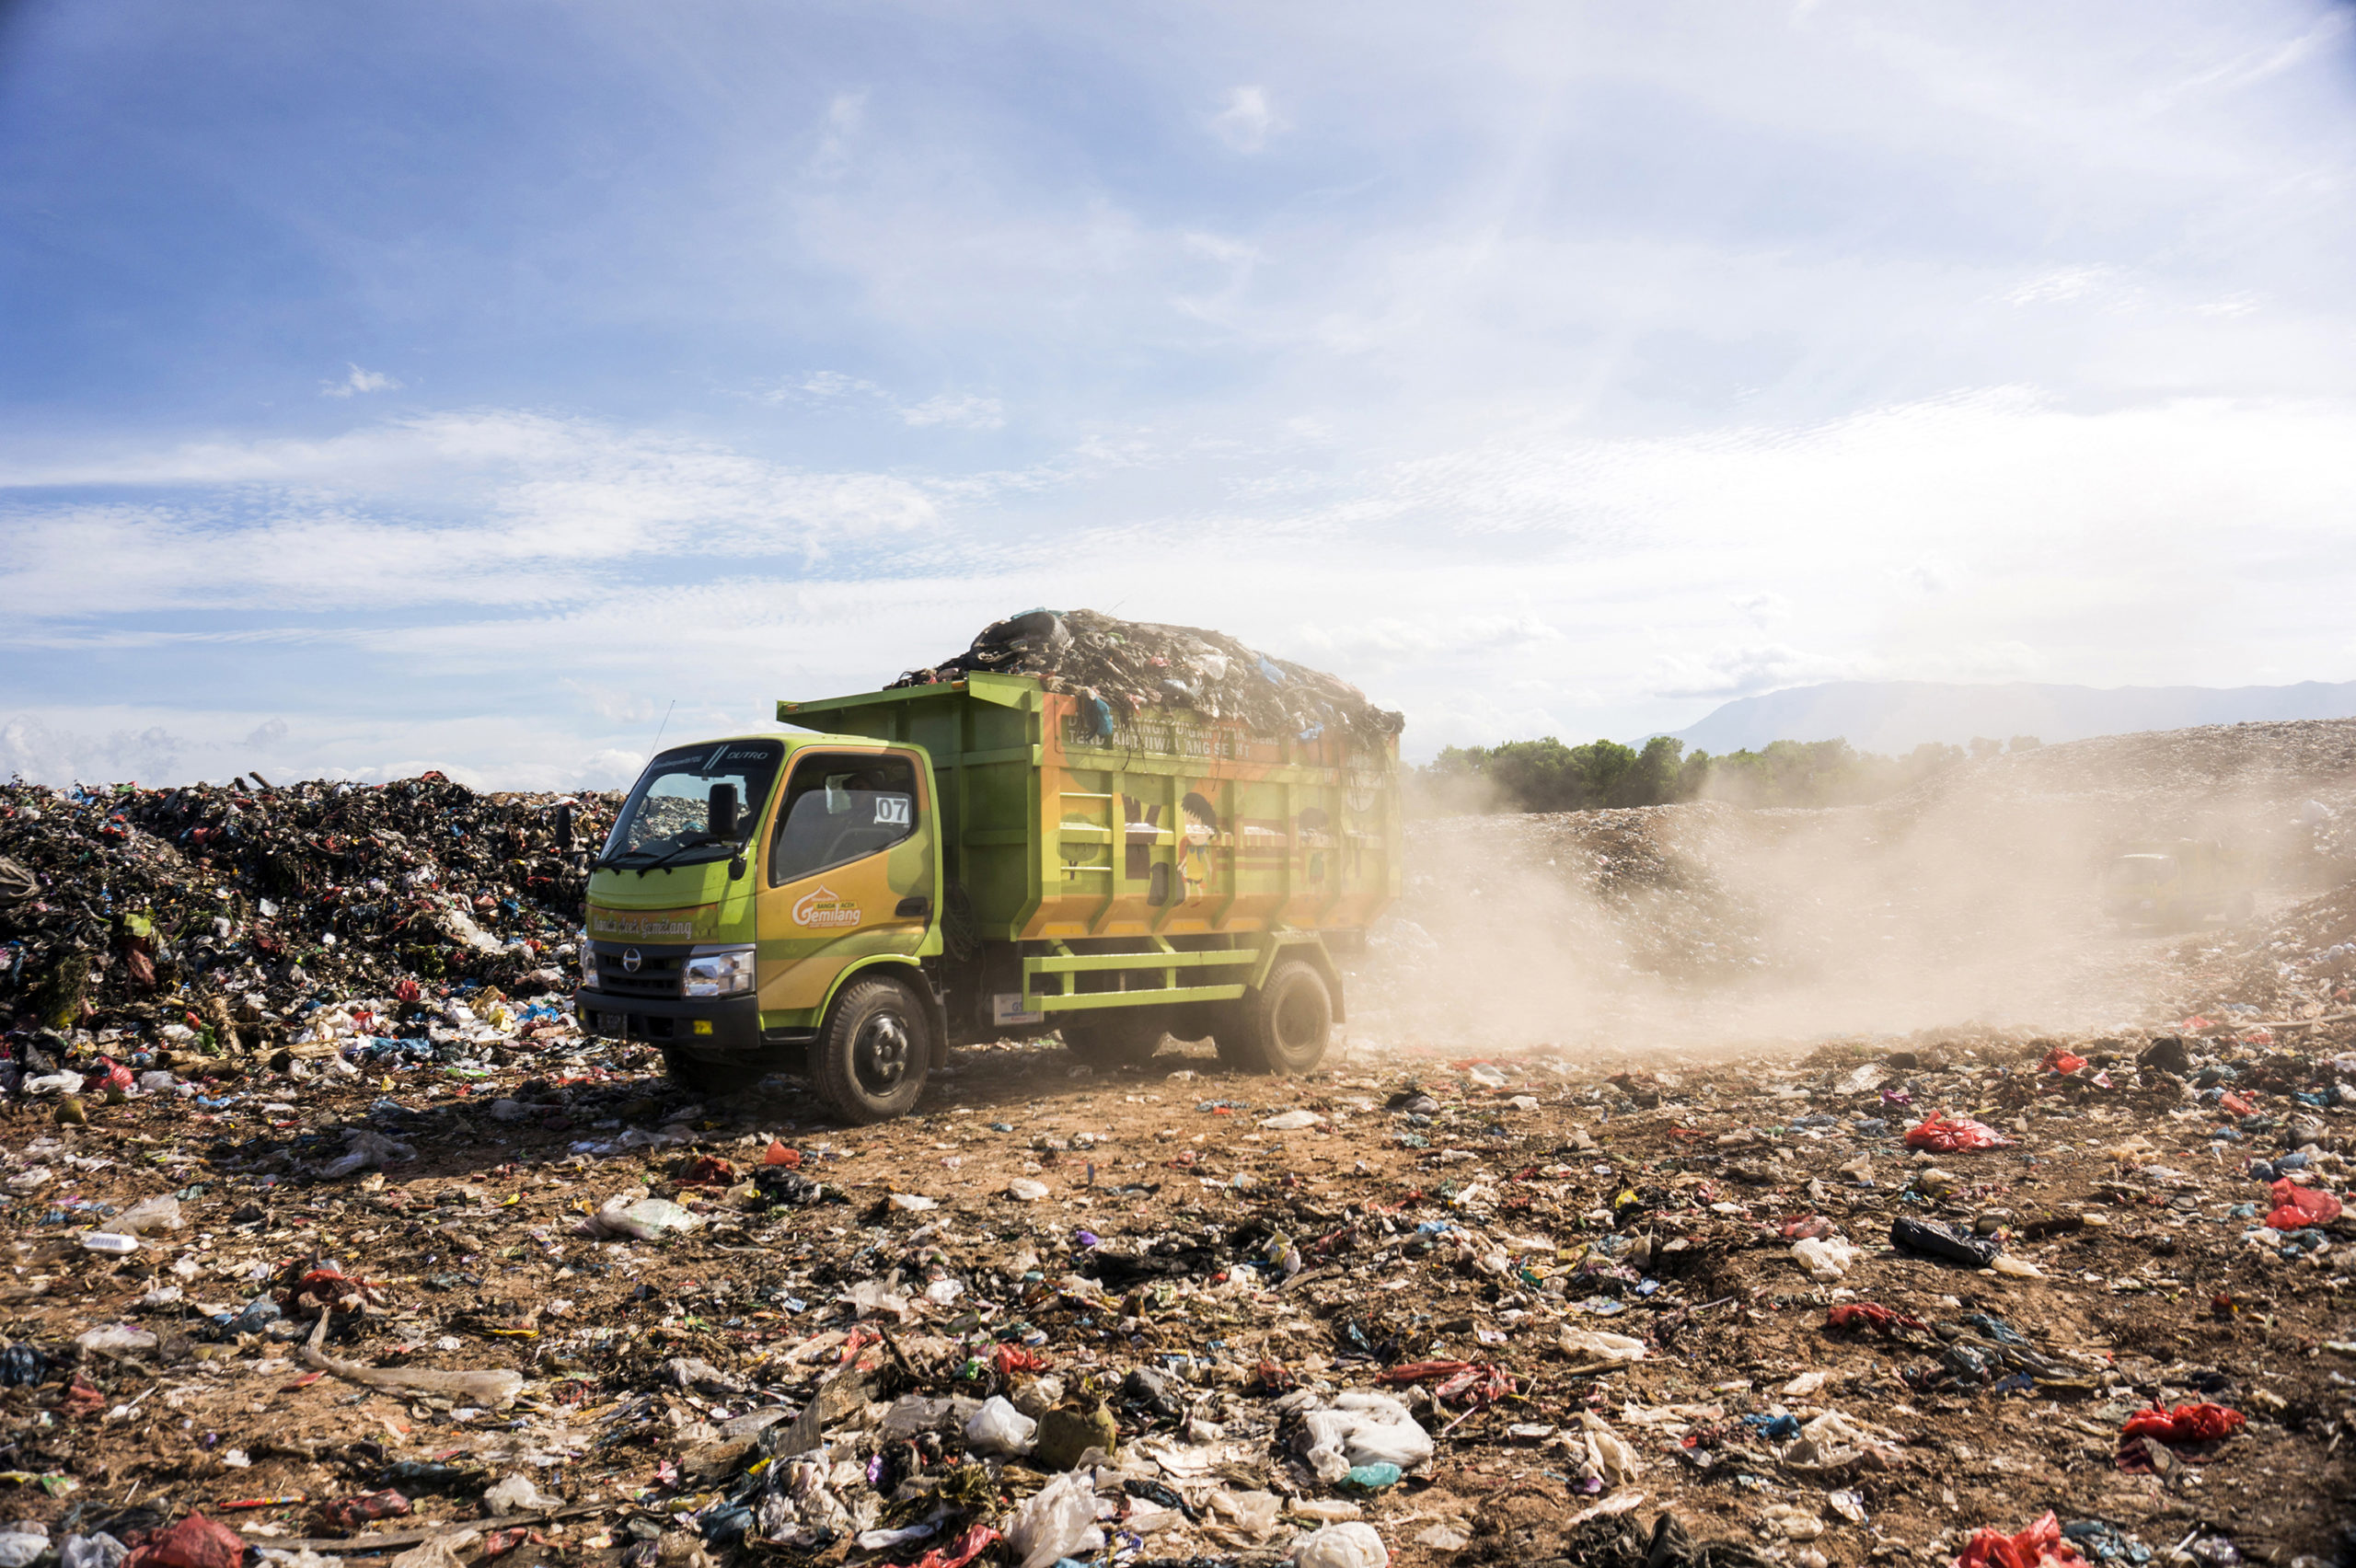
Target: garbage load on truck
<point>1101,828</point>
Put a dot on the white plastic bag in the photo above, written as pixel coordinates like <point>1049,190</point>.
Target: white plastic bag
<point>1242,1519</point>
<point>1059,1521</point>
<point>516,1495</point>
<point>1826,1259</point>
<point>1607,1451</point>
<point>148,1213</point>
<point>998,1428</point>
<point>363,1148</point>
<point>118,1339</point>
<point>1351,1545</point>
<point>1363,1429</point>
<point>21,1541</point>
<point>646,1220</point>
<point>99,1550</point>
<point>1594,1348</point>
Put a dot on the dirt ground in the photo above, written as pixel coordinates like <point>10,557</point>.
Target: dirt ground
<point>1474,1232</point>
<point>1194,1271</point>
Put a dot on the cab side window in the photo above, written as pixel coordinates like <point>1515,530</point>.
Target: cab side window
<point>841,807</point>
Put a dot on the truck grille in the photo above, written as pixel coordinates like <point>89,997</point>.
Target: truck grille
<point>658,976</point>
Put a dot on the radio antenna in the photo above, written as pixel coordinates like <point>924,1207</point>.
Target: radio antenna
<point>659,729</point>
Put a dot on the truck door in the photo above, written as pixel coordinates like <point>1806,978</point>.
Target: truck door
<point>846,874</point>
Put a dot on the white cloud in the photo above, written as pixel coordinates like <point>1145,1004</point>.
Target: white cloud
<point>1387,640</point>
<point>359,381</point>
<point>36,751</point>
<point>1247,121</point>
<point>1748,670</point>
<point>962,411</point>
<point>846,113</point>
<point>1927,576</point>
<point>550,504</point>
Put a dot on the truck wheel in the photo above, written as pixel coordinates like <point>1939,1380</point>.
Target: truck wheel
<point>1106,1044</point>
<point>706,1076</point>
<point>869,1061</point>
<point>1283,1027</point>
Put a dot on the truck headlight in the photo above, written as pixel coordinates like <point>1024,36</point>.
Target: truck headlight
<point>717,973</point>
<point>588,964</point>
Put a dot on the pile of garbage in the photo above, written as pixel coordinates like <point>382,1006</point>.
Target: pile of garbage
<point>218,920</point>
<point>1125,667</point>
<point>2288,974</point>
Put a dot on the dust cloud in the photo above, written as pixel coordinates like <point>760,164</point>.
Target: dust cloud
<point>1973,900</point>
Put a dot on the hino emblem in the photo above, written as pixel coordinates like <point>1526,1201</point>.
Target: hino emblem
<point>630,961</point>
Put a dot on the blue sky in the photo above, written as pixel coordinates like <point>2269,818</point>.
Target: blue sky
<point>386,386</point>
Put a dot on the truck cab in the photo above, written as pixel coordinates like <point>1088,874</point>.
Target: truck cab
<point>2174,885</point>
<point>747,884</point>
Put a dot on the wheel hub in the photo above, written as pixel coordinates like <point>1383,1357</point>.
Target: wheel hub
<point>882,1054</point>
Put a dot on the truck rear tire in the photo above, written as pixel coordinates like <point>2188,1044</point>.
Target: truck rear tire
<point>869,1062</point>
<point>1283,1027</point>
<point>1110,1043</point>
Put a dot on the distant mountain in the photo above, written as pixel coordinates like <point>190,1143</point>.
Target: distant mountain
<point>1892,717</point>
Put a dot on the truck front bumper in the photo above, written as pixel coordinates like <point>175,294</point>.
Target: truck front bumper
<point>708,1026</point>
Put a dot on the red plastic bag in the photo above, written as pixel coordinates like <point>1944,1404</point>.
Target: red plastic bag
<point>1955,1135</point>
<point>2237,1105</point>
<point>351,1513</point>
<point>1011,1359</point>
<point>1869,1315</point>
<point>2035,1547</point>
<point>2185,1423</point>
<point>195,1542</point>
<point>708,1170</point>
<point>958,1553</point>
<point>2295,1205</point>
<point>2059,1060</point>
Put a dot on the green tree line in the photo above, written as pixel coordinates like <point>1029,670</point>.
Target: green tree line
<point>1547,776</point>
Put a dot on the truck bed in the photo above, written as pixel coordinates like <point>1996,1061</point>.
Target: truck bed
<point>1064,822</point>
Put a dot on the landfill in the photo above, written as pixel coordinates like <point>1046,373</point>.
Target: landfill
<point>333,1239</point>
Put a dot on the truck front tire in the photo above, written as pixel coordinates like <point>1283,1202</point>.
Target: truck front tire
<point>1283,1027</point>
<point>869,1062</point>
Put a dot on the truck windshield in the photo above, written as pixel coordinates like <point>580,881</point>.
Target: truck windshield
<point>2142,871</point>
<point>693,804</point>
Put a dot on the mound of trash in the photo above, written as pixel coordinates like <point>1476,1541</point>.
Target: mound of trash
<point>1132,665</point>
<point>219,918</point>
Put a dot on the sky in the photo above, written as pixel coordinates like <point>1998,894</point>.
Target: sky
<point>395,385</point>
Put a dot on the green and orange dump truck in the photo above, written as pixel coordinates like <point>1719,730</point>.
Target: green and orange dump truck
<point>981,858</point>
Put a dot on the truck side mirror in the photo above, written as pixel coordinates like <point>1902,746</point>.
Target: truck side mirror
<point>720,815</point>
<point>564,830</point>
